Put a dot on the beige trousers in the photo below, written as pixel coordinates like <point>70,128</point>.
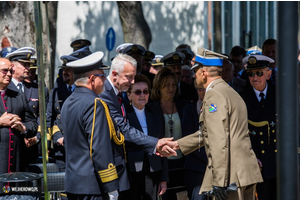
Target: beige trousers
<point>243,193</point>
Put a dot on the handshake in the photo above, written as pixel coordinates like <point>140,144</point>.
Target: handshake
<point>166,147</point>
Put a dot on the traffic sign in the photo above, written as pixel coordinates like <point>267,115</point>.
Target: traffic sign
<point>110,39</point>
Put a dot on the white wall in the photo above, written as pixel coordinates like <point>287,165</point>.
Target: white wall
<point>171,23</point>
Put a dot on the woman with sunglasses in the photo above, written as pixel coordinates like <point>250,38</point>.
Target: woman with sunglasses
<point>148,173</point>
<point>168,116</point>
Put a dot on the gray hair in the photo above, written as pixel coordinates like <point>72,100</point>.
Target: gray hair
<point>119,62</point>
<point>81,79</point>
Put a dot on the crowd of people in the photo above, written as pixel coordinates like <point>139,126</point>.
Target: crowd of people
<point>178,126</point>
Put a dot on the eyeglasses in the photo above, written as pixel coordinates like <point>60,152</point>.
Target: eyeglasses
<point>258,73</point>
<point>139,92</point>
<point>104,75</point>
<point>5,71</point>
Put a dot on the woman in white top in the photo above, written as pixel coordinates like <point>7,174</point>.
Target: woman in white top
<point>148,173</point>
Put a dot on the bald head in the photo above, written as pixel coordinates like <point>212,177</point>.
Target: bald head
<point>5,73</point>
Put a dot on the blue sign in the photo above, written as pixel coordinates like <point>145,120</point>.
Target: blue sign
<point>110,39</point>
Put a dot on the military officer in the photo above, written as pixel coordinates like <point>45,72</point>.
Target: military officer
<point>137,52</point>
<point>174,61</point>
<point>21,69</point>
<point>57,97</point>
<point>260,100</point>
<point>95,165</point>
<point>224,133</point>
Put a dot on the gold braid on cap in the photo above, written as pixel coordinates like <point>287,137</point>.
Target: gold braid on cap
<point>112,131</point>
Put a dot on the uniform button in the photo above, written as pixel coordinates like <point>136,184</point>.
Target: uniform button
<point>275,150</point>
<point>274,140</point>
<point>263,151</point>
<point>261,142</point>
<point>33,106</point>
<point>273,131</point>
<point>261,133</point>
<point>57,108</point>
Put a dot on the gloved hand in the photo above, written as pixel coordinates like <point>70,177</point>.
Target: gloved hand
<point>114,195</point>
<point>219,192</point>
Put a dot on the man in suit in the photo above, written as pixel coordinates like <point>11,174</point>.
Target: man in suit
<point>260,99</point>
<point>269,48</point>
<point>224,133</point>
<point>21,69</point>
<point>237,84</point>
<point>16,123</point>
<point>57,98</point>
<point>121,76</point>
<point>236,56</point>
<point>95,164</point>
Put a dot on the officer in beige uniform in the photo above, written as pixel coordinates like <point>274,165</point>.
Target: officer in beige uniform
<point>224,133</point>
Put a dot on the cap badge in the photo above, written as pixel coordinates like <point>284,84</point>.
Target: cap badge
<point>65,61</point>
<point>28,55</point>
<point>212,108</point>
<point>252,60</point>
<point>134,48</point>
<point>176,57</point>
<point>157,60</point>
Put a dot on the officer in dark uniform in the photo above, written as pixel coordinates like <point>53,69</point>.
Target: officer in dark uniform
<point>260,100</point>
<point>57,97</point>
<point>148,57</point>
<point>95,164</point>
<point>20,82</point>
<point>174,61</point>
<point>137,52</point>
<point>189,55</point>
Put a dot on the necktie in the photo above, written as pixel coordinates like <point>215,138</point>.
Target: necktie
<point>70,89</point>
<point>262,100</point>
<point>274,77</point>
<point>20,87</point>
<point>120,102</point>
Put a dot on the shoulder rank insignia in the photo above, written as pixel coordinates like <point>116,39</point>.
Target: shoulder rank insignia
<point>212,108</point>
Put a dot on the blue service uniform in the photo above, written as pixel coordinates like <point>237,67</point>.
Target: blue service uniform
<point>57,98</point>
<point>95,164</point>
<point>262,127</point>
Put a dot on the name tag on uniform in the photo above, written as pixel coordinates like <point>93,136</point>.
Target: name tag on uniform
<point>212,108</point>
<point>32,99</point>
<point>58,101</point>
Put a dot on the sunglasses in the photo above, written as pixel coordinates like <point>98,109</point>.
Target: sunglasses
<point>99,75</point>
<point>258,73</point>
<point>5,71</point>
<point>139,92</point>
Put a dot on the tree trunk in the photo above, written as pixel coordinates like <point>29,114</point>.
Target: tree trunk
<point>134,26</point>
<point>18,27</point>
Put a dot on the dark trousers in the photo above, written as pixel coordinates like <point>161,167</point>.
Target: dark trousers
<point>193,182</point>
<point>87,197</point>
<point>267,189</point>
<point>176,179</point>
<point>144,184</point>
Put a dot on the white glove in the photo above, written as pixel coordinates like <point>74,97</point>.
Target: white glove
<point>113,195</point>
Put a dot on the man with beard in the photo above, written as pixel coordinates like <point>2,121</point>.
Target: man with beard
<point>57,98</point>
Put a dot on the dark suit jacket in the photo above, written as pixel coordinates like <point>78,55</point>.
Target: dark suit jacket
<point>197,160</point>
<point>57,98</point>
<point>16,104</point>
<point>238,84</point>
<point>263,139</point>
<point>136,156</point>
<point>188,92</point>
<point>94,163</point>
<point>131,134</point>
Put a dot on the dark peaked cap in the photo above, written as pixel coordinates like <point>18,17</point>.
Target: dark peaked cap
<point>187,52</point>
<point>6,51</point>
<point>79,43</point>
<point>173,58</point>
<point>88,63</point>
<point>134,49</point>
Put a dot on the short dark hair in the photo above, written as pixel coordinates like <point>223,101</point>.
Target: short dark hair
<point>238,51</point>
<point>159,82</point>
<point>140,78</point>
<point>269,41</point>
<point>183,46</point>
